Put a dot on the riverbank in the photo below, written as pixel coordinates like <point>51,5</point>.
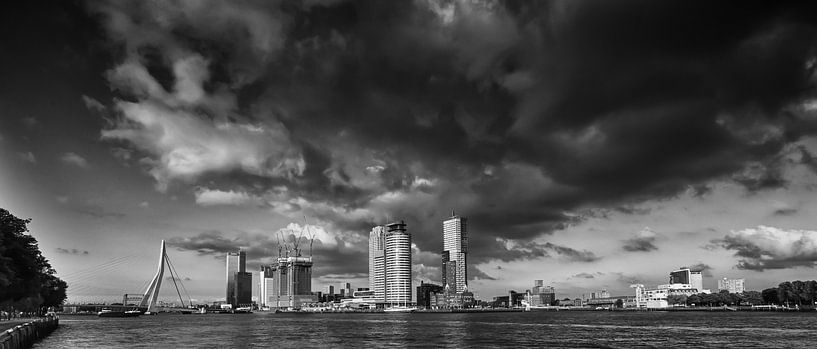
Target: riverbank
<point>25,334</point>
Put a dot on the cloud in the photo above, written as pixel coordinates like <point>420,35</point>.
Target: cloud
<point>96,211</point>
<point>359,112</point>
<point>28,157</point>
<point>705,269</point>
<point>71,251</point>
<point>74,159</point>
<point>144,204</point>
<point>62,199</point>
<point>783,209</point>
<point>643,241</point>
<point>208,197</point>
<point>93,104</point>
<point>187,120</point>
<point>572,254</point>
<point>584,276</point>
<point>765,248</point>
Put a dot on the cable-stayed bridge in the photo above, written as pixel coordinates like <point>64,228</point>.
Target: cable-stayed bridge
<point>114,294</point>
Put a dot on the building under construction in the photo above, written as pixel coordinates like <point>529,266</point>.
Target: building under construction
<point>287,283</point>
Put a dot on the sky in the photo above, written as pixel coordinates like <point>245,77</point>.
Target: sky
<point>590,144</point>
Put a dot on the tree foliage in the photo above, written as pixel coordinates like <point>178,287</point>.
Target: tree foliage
<point>27,280</point>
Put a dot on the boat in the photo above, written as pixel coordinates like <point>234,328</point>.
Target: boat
<point>400,309</point>
<point>112,313</point>
<point>243,310</point>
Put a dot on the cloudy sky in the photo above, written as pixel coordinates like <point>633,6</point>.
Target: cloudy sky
<point>590,144</point>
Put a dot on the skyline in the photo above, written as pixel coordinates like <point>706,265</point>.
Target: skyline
<point>591,145</point>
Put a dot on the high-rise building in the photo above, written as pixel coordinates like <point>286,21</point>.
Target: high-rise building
<point>455,250</point>
<point>686,276</point>
<point>239,281</point>
<point>732,285</point>
<point>390,263</point>
<point>291,284</point>
<point>377,262</point>
<point>398,264</point>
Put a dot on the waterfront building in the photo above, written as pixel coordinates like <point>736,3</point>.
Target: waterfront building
<point>390,263</point>
<point>455,250</point>
<point>732,285</point>
<point>377,262</point>
<point>239,281</point>
<point>686,276</point>
<point>398,264</point>
<point>424,292</point>
<point>657,297</point>
<point>541,295</point>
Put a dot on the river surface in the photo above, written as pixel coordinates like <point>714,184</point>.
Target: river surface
<point>569,329</point>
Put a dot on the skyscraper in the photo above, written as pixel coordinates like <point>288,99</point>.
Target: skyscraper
<point>398,263</point>
<point>377,262</point>
<point>390,263</point>
<point>239,281</point>
<point>455,249</point>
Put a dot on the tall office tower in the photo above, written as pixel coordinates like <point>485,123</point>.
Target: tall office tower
<point>686,276</point>
<point>455,249</point>
<point>239,281</point>
<point>398,264</point>
<point>377,262</point>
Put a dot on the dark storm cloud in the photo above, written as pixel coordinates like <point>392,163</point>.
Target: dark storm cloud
<point>73,251</point>
<point>705,269</point>
<point>764,248</point>
<point>512,113</point>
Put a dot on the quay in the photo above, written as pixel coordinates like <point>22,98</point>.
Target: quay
<point>23,335</point>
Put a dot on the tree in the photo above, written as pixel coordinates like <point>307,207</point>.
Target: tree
<point>770,296</point>
<point>694,300</point>
<point>676,299</point>
<point>619,303</point>
<point>752,298</point>
<point>27,281</point>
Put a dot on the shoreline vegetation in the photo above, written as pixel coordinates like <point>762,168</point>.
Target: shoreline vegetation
<point>28,285</point>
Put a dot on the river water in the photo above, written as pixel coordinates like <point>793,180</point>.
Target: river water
<point>571,329</point>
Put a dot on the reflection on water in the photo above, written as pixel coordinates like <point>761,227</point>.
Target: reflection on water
<point>535,329</point>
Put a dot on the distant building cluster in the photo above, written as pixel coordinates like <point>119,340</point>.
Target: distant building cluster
<point>287,283</point>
